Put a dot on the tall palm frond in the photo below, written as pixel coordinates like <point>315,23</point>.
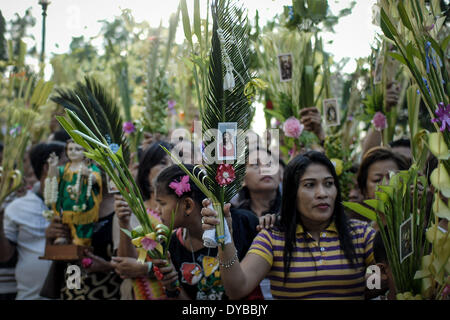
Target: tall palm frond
<point>228,105</point>
<point>100,107</point>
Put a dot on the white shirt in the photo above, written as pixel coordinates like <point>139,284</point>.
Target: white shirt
<point>25,225</point>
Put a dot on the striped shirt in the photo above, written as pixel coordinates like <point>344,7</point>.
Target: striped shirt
<point>318,270</point>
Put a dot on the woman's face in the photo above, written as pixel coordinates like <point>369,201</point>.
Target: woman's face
<point>316,194</point>
<point>355,194</point>
<point>154,172</point>
<point>376,172</point>
<point>226,138</point>
<point>255,177</point>
<point>75,152</point>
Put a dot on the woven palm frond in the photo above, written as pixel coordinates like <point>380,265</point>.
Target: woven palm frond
<point>99,106</point>
<point>228,105</point>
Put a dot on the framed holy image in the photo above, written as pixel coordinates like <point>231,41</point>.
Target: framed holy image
<point>285,65</point>
<point>331,112</point>
<point>406,239</point>
<point>226,141</point>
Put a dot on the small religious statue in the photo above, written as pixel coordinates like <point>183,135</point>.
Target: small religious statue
<point>74,193</point>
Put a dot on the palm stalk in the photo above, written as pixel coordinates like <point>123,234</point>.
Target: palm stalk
<point>220,105</point>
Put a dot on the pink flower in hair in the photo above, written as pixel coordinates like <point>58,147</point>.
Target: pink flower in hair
<point>182,186</point>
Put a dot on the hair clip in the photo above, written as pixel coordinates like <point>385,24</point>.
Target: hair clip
<point>182,186</point>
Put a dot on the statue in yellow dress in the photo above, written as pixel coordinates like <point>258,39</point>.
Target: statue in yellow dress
<point>74,192</point>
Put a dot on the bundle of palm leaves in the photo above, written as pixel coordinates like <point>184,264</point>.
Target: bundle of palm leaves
<point>224,103</point>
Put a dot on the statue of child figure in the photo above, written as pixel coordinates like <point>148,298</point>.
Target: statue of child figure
<point>74,192</point>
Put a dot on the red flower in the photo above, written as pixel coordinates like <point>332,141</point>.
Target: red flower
<point>225,174</point>
<point>269,105</point>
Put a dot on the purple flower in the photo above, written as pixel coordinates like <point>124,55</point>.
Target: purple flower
<point>148,244</point>
<point>429,28</point>
<point>128,127</point>
<point>443,115</point>
<point>15,130</point>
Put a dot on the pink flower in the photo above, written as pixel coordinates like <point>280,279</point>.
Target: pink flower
<point>128,127</point>
<point>292,128</point>
<point>148,244</point>
<point>446,291</point>
<point>182,186</point>
<point>225,174</point>
<point>379,121</point>
<point>86,262</point>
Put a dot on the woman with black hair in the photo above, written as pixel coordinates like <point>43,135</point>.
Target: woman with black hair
<point>376,165</point>
<point>313,252</point>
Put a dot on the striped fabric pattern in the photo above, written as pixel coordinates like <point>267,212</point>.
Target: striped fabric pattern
<point>317,270</point>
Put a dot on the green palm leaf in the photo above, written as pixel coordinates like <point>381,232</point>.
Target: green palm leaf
<point>100,107</point>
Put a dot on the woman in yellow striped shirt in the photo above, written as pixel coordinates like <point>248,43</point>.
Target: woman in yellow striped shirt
<point>314,252</point>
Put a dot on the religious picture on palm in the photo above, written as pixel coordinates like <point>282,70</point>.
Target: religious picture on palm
<point>226,141</point>
<point>406,239</point>
<point>285,61</point>
<point>331,112</point>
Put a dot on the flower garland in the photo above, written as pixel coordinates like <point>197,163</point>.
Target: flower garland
<point>50,191</point>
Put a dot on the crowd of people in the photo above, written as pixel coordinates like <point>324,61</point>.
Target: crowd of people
<point>291,236</point>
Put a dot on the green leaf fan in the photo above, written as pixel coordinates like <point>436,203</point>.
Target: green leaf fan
<point>98,106</point>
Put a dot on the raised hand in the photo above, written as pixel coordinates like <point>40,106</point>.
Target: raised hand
<point>122,211</point>
<point>312,120</point>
